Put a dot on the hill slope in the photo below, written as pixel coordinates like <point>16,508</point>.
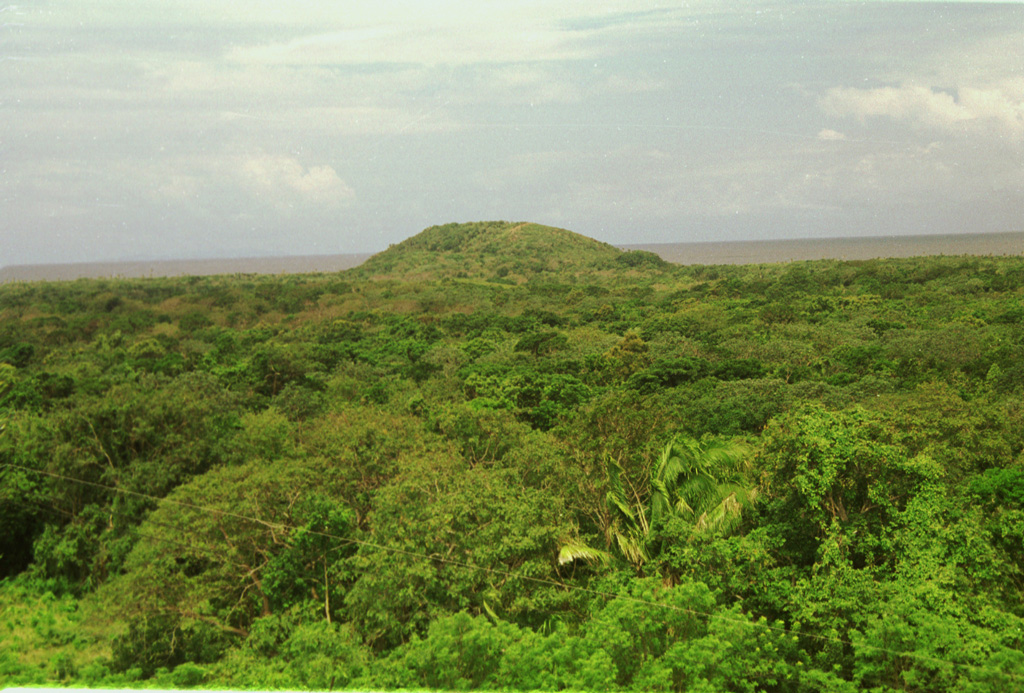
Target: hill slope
<point>498,250</point>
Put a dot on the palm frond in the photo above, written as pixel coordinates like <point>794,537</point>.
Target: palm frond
<point>490,612</point>
<point>574,551</point>
<point>683,508</point>
<point>722,518</point>
<point>661,501</point>
<point>669,465</point>
<point>698,493</point>
<point>632,549</point>
<point>617,501</point>
<point>726,456</point>
<point>745,495</point>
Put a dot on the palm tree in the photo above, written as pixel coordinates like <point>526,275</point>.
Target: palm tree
<point>627,528</point>
<point>702,482</point>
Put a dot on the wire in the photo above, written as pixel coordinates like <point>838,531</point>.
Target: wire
<point>190,545</point>
<point>511,574</point>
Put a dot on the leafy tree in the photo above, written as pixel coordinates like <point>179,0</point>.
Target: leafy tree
<point>458,652</point>
<point>293,650</point>
<point>630,355</point>
<point>835,466</point>
<point>449,537</point>
<point>227,548</point>
<point>539,343</point>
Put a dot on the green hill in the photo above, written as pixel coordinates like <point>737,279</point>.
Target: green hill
<point>510,252</point>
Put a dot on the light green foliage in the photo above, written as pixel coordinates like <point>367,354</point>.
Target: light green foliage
<point>312,655</point>
<point>459,652</point>
<point>8,377</point>
<point>264,435</point>
<point>914,647</point>
<point>32,622</point>
<point>635,634</point>
<point>628,356</point>
<point>540,399</point>
<point>829,467</point>
<point>733,654</point>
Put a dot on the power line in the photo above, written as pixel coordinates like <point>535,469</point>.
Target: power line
<point>505,573</point>
<point>191,546</point>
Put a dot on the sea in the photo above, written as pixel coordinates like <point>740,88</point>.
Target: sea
<point>707,253</point>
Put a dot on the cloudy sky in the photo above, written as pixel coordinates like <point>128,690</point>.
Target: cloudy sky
<point>136,129</point>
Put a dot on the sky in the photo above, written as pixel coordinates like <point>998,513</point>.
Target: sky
<point>179,129</point>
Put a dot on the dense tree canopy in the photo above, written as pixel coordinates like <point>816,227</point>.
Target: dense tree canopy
<point>505,456</point>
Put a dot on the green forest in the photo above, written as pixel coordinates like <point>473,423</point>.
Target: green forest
<point>504,456</point>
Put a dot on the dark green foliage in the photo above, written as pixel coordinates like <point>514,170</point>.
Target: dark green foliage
<point>162,642</point>
<point>18,355</point>
<point>669,373</point>
<point>194,320</point>
<point>540,399</point>
<point>641,258</point>
<point>455,237</point>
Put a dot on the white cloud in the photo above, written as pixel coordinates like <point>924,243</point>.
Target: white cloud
<point>402,44</point>
<point>339,121</point>
<point>452,32</point>
<point>827,135</point>
<point>233,182</point>
<point>283,181</point>
<point>996,110</point>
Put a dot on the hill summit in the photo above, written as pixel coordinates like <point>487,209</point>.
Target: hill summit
<point>512,252</point>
